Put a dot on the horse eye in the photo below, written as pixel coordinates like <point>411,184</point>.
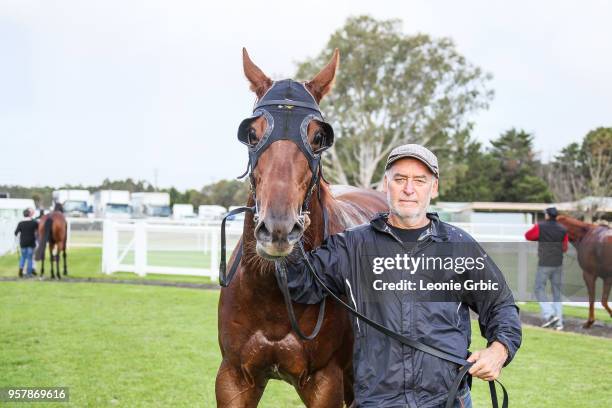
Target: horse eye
<point>318,138</point>
<point>252,136</point>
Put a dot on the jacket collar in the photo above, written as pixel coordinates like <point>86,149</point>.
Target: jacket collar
<point>437,232</point>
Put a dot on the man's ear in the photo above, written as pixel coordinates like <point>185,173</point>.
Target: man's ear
<point>434,188</point>
<point>384,186</point>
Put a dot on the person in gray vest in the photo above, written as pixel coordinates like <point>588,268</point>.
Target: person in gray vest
<point>552,243</point>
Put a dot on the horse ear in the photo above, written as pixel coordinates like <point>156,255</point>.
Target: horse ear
<point>260,83</point>
<point>322,83</point>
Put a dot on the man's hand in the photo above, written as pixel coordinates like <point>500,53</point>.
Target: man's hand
<point>488,362</point>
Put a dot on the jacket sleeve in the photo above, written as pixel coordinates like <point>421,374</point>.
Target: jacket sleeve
<point>498,315</point>
<point>330,261</point>
<point>565,242</point>
<point>533,234</point>
<point>18,229</point>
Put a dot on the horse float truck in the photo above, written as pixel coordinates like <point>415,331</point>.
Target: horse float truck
<point>211,212</point>
<point>112,204</point>
<point>145,205</point>
<point>75,202</point>
<point>183,211</point>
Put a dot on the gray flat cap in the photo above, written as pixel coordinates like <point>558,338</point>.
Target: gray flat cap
<point>417,152</point>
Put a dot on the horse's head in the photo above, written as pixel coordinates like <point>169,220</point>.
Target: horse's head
<point>285,136</point>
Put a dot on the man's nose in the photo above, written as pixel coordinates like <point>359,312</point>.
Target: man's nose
<point>409,187</point>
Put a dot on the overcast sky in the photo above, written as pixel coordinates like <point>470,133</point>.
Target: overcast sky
<point>117,89</point>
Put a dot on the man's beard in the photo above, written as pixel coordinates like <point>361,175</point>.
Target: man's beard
<point>416,213</point>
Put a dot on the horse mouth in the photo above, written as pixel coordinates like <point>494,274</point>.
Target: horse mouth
<point>274,251</point>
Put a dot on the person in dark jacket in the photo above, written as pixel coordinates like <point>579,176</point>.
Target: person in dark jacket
<point>368,264</point>
<point>553,241</point>
<point>26,230</point>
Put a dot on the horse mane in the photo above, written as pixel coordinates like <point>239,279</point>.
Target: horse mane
<point>575,228</point>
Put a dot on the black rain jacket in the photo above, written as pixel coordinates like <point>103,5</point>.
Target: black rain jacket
<point>387,373</point>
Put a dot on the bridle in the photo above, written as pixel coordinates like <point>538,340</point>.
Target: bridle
<point>288,108</point>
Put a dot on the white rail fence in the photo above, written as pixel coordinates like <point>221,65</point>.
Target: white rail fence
<point>189,247</point>
<point>150,246</point>
<point>7,235</point>
<point>145,247</point>
<point>489,232</point>
<point>84,232</point>
<point>165,248</point>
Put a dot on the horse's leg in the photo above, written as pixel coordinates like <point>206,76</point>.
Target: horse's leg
<point>605,293</point>
<point>589,280</point>
<point>51,260</point>
<point>234,390</point>
<point>324,388</point>
<point>42,261</point>
<point>65,266</point>
<point>57,257</point>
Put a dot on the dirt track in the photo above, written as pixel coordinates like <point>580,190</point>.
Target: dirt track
<point>572,324</point>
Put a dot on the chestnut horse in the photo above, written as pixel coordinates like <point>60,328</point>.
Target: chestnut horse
<point>594,246</point>
<point>255,336</point>
<point>52,231</point>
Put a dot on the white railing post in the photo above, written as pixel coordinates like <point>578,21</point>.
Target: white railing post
<point>140,248</point>
<point>109,247</point>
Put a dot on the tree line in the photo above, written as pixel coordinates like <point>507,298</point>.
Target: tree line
<point>224,192</point>
<point>507,170</point>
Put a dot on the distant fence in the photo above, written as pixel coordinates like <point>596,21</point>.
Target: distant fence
<point>7,235</point>
<point>173,247</point>
<point>493,232</point>
<point>177,248</point>
<point>191,247</point>
<point>84,232</point>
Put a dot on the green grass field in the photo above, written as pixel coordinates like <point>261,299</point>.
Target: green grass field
<point>137,346</point>
<point>87,263</point>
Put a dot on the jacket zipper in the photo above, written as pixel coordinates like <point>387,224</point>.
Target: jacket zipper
<point>411,253</point>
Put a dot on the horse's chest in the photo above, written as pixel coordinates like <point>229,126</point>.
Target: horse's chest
<point>281,358</point>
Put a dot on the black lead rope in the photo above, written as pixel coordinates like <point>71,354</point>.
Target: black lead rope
<point>224,278</point>
<point>281,278</point>
<point>465,365</point>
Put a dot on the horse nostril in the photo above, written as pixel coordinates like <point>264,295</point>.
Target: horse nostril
<point>296,233</point>
<point>262,233</point>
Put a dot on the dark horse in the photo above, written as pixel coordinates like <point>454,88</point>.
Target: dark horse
<point>594,246</point>
<point>52,231</point>
<point>255,336</point>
